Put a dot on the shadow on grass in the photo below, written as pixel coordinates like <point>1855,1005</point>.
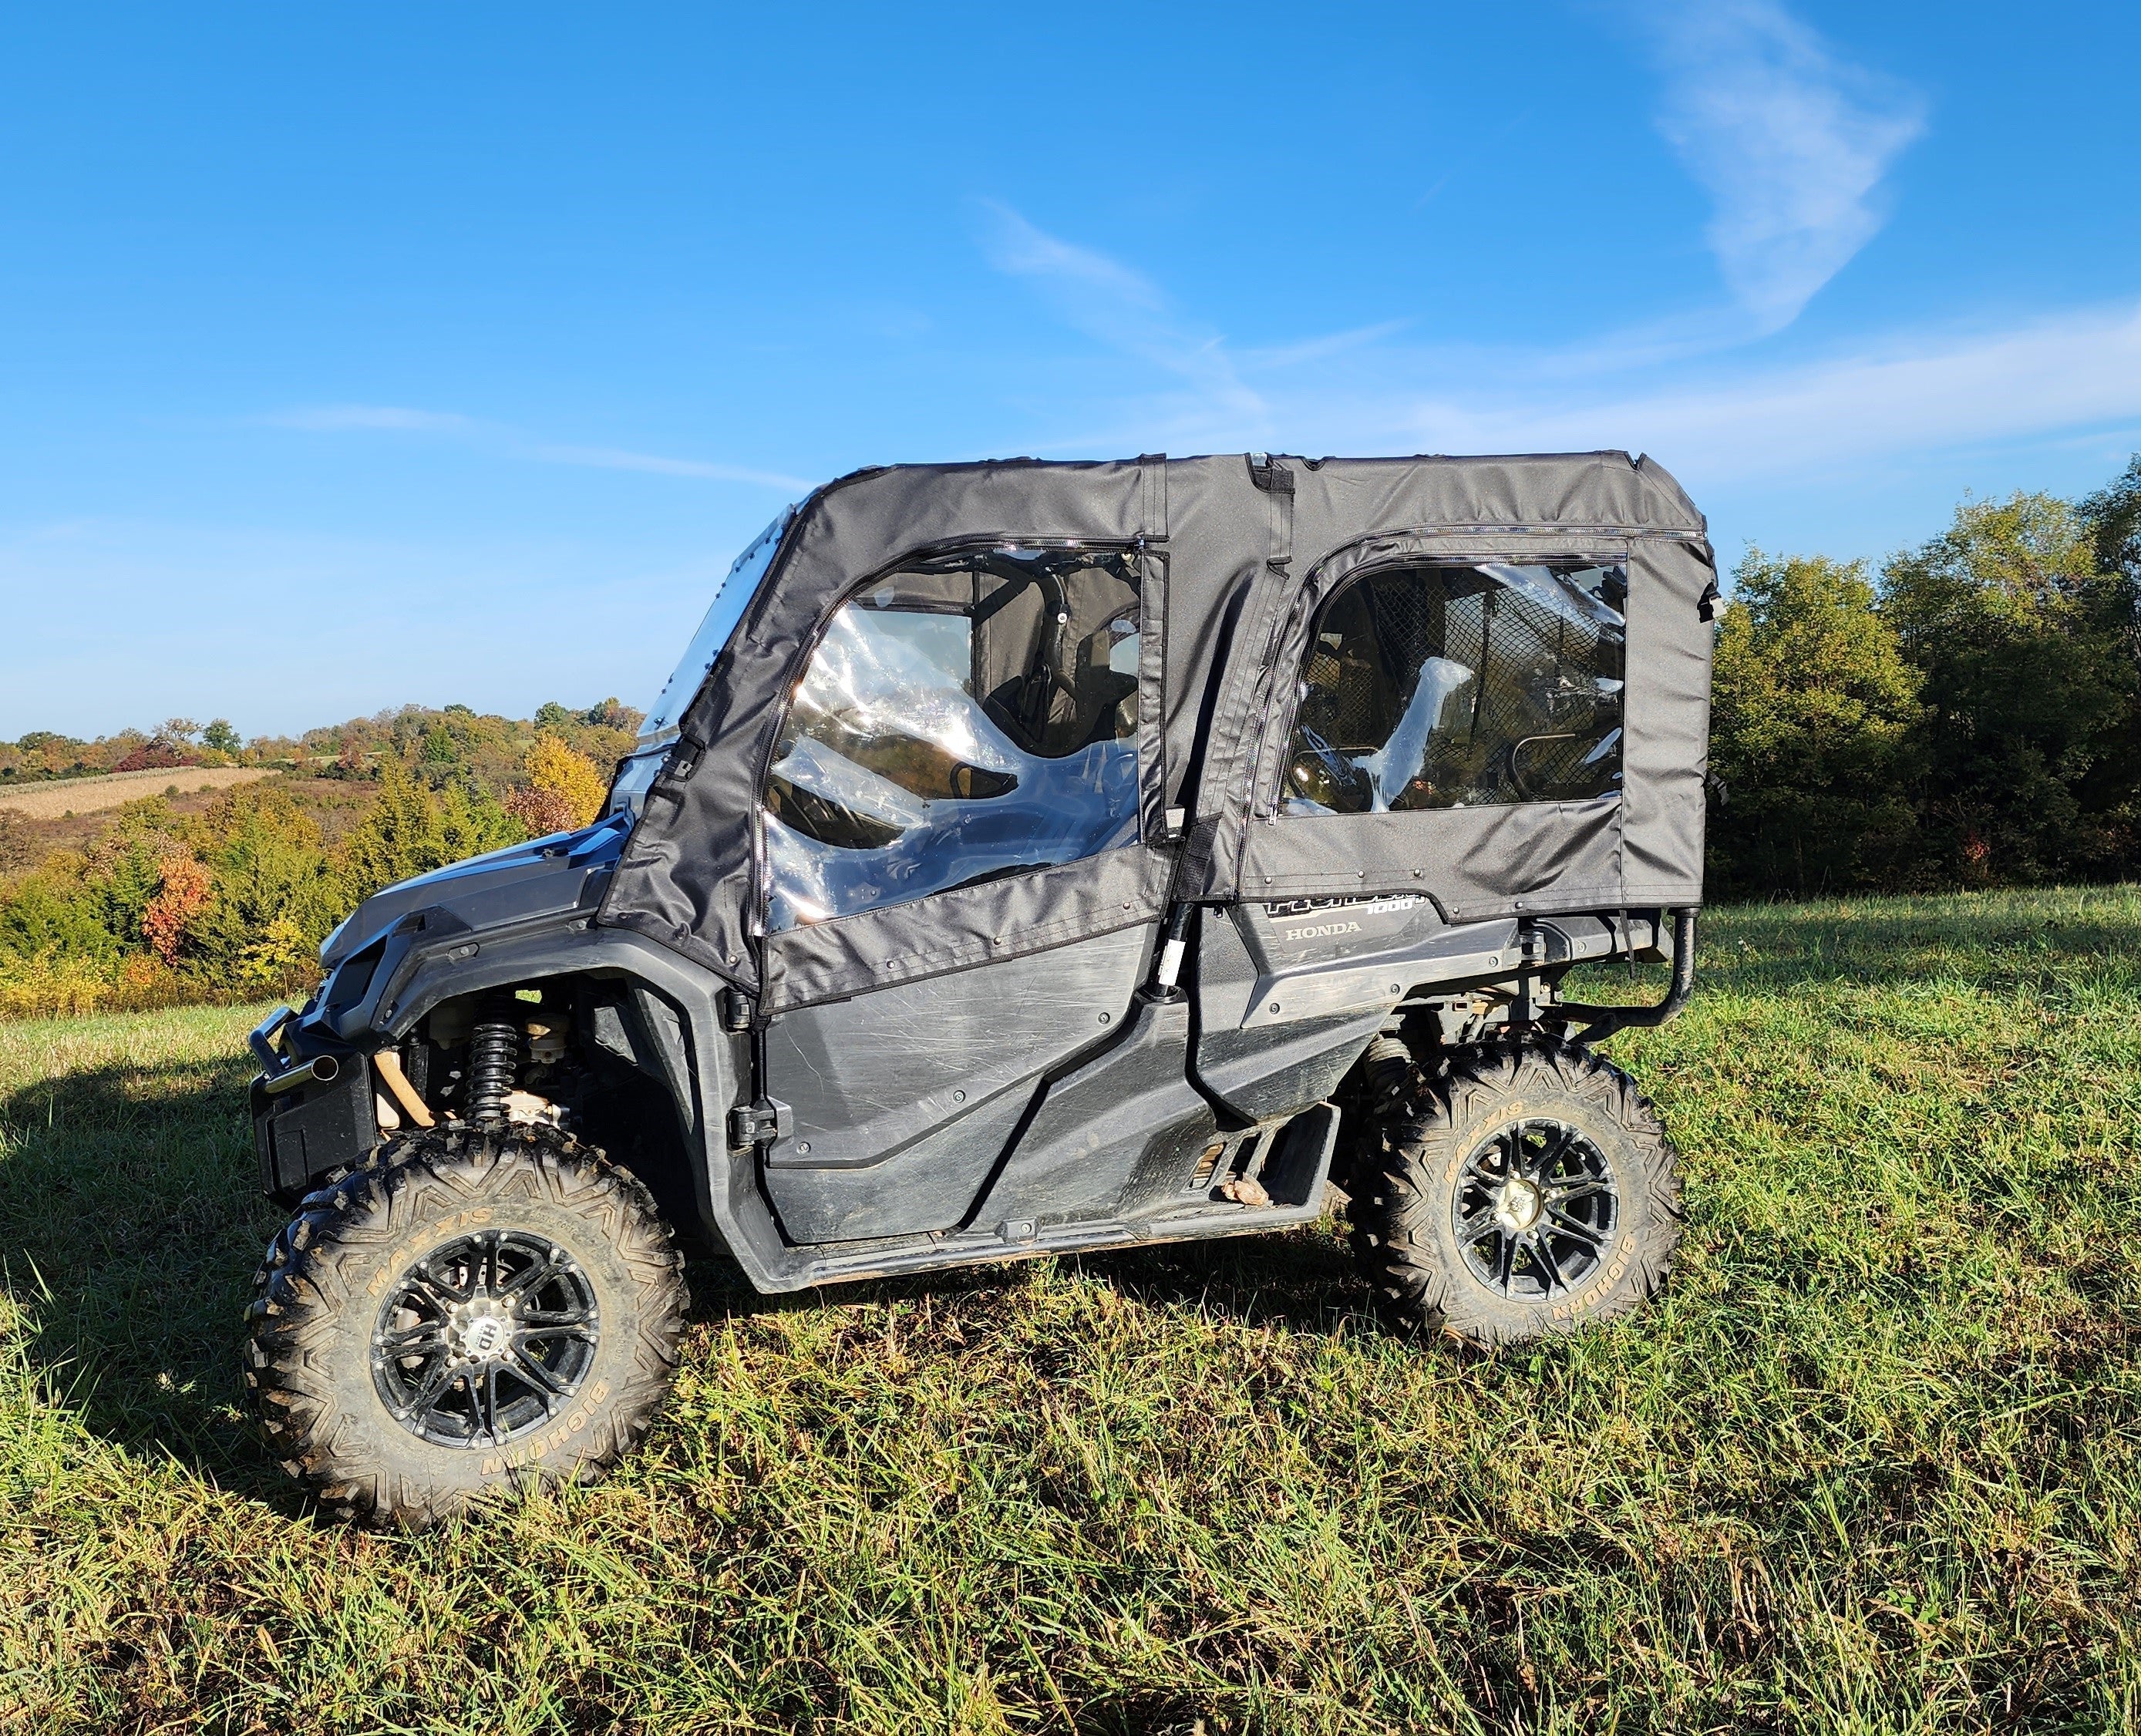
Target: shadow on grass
<point>130,1226</point>
<point>1300,1281</point>
<point>1303,1280</point>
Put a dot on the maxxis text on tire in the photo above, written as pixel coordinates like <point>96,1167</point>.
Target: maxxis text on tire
<point>389,1379</point>
<point>1528,1190</point>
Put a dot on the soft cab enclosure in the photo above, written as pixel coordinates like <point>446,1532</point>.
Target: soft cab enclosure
<point>1024,857</point>
<point>1480,681</point>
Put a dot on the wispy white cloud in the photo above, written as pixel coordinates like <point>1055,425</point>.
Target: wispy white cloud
<point>513,443</point>
<point>1907,394</point>
<point>1791,142</point>
<point>1322,349</point>
<point>346,418</point>
<point>613,458</point>
<point>1363,391</point>
<point>1125,311</point>
<point>1091,282</point>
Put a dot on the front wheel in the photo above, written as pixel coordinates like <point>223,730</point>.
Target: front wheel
<point>1530,1190</point>
<point>483,1311</point>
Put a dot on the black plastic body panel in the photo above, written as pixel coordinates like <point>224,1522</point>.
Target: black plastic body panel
<point>1282,1068</point>
<point>540,877</point>
<point>1113,1136</point>
<point>303,1135</point>
<point>1272,1068</point>
<point>1289,994</point>
<point>532,888</point>
<point>926,1185</point>
<point>904,1099</point>
<point>1040,1103</point>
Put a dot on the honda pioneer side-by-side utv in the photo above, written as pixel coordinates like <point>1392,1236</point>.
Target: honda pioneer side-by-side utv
<point>1024,858</point>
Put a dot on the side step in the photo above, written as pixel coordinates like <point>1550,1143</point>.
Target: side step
<point>1289,1163</point>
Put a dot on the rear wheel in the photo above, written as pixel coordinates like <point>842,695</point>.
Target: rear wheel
<point>1529,1190</point>
<point>483,1312</point>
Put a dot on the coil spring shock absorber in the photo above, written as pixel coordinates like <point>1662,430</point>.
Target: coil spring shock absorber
<point>494,1060</point>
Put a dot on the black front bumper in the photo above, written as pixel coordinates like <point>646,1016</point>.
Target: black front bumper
<point>304,1133</point>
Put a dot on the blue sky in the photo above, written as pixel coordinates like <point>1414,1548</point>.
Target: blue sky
<point>359,355</point>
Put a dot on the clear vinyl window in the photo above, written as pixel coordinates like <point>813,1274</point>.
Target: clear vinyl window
<point>964,719</point>
<point>1461,686</point>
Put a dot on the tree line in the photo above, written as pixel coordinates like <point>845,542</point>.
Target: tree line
<point>486,744</point>
<point>162,902</point>
<point>1967,715</point>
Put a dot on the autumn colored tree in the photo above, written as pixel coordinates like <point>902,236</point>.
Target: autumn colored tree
<point>158,754</point>
<point>238,897</point>
<point>92,903</point>
<point>614,715</point>
<point>183,891</point>
<point>276,895</point>
<point>565,789</point>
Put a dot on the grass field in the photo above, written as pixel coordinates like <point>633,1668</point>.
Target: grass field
<point>65,797</point>
<point>1872,1464</point>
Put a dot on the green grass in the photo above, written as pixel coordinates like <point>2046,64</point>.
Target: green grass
<point>1872,1464</point>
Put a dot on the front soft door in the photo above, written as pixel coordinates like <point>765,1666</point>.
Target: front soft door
<point>957,903</point>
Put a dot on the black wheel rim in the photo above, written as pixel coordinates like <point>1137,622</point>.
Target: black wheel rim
<point>1537,1210</point>
<point>485,1339</point>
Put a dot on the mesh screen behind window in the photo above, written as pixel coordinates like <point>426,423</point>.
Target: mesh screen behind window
<point>1457,686</point>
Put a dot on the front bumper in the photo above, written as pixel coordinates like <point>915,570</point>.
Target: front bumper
<point>305,1126</point>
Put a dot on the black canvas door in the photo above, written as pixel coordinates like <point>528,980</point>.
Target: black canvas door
<point>958,901</point>
<point>1456,727</point>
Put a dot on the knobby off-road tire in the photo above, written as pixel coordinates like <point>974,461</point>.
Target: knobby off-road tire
<point>517,1299</point>
<point>1586,1233</point>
